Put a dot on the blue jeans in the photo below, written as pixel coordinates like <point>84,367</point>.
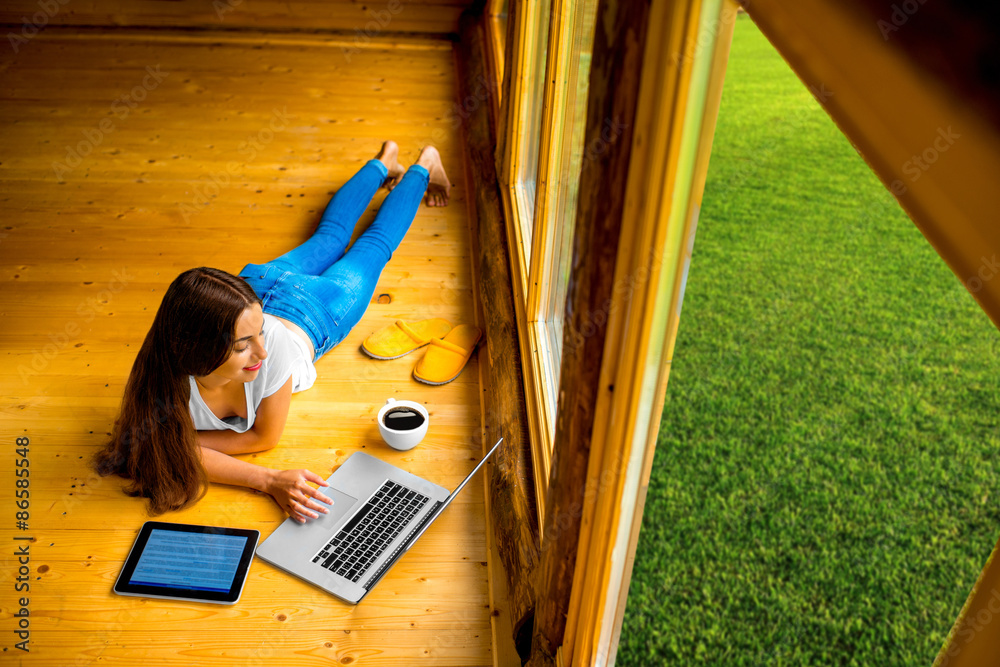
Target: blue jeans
<point>318,286</point>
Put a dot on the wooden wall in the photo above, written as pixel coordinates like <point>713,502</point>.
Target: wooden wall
<point>512,498</point>
<point>365,20</point>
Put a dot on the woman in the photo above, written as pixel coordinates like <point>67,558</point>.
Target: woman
<point>216,372</point>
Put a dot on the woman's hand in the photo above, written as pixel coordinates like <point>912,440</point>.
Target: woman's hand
<point>291,489</point>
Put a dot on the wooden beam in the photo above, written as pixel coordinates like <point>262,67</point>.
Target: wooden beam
<point>512,510</point>
<point>674,126</point>
<point>613,95</point>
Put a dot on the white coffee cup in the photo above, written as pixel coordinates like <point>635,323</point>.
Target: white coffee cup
<point>402,439</point>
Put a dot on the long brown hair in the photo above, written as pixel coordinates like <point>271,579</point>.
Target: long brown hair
<point>154,443</point>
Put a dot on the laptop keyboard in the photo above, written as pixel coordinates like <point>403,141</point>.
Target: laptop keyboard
<point>368,534</point>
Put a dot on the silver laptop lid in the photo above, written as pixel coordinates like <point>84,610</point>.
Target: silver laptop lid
<point>436,513</point>
<point>427,521</point>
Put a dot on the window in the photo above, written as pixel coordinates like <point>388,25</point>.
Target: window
<point>541,155</point>
<point>531,143</point>
<point>556,217</point>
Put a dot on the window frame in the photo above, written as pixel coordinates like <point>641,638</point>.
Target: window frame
<point>532,272</point>
<point>513,111</point>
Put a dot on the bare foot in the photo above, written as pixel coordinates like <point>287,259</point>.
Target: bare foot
<point>439,186</point>
<point>388,156</point>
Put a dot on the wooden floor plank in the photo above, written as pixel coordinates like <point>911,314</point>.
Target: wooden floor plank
<point>91,544</point>
<point>354,18</point>
<point>273,648</point>
<point>85,257</point>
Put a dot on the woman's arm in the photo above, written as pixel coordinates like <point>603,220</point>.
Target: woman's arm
<point>290,488</point>
<point>272,413</point>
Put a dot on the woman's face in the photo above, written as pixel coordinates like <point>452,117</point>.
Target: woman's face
<point>248,351</point>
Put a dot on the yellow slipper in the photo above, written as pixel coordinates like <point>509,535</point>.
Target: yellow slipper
<point>445,358</point>
<point>401,338</point>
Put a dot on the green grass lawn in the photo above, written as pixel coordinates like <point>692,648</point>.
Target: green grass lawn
<point>824,489</point>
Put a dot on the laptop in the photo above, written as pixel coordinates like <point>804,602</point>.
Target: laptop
<point>378,512</point>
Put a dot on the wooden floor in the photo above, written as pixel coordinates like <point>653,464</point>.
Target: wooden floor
<point>129,156</point>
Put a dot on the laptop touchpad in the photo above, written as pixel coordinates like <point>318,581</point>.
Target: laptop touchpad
<point>342,503</point>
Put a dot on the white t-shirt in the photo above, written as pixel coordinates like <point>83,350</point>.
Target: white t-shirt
<point>287,355</point>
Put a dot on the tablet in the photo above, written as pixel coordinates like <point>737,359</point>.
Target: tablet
<point>180,561</point>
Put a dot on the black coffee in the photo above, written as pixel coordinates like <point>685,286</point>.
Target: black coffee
<point>403,419</point>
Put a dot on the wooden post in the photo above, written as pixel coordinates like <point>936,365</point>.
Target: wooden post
<point>619,43</point>
<point>512,511</point>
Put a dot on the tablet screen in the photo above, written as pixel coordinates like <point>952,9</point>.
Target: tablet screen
<point>188,562</point>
